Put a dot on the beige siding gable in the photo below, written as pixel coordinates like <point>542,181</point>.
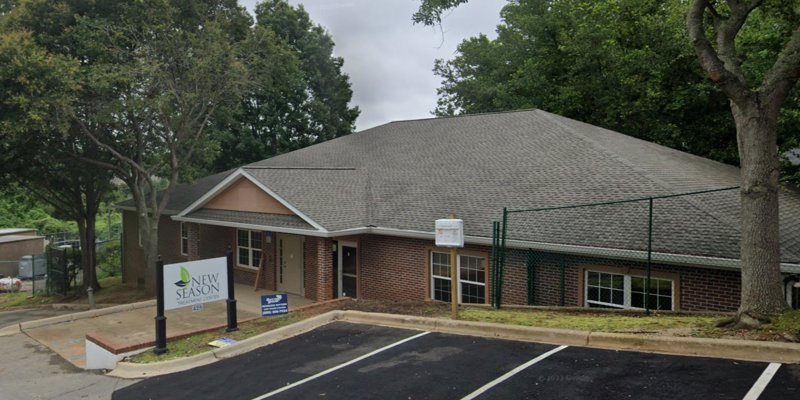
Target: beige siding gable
<point>244,195</point>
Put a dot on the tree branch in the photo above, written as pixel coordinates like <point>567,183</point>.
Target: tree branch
<point>731,82</point>
<point>784,74</point>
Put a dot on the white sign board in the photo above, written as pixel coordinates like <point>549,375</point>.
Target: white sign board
<point>195,282</point>
<point>450,233</point>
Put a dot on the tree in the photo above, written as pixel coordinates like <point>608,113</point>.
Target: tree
<point>626,65</point>
<point>150,75</point>
<point>39,153</point>
<point>297,95</point>
<point>754,59</point>
<point>756,98</point>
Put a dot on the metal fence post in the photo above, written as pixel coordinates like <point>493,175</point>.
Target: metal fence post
<point>649,259</point>
<point>493,275</point>
<point>531,278</point>
<point>231,302</point>
<point>502,257</point>
<point>161,320</point>
<point>562,264</point>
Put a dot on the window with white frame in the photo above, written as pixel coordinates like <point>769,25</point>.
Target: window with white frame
<point>471,278</point>
<point>249,248</point>
<point>606,289</point>
<point>184,239</point>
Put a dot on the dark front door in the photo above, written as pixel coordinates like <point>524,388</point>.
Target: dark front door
<point>348,266</point>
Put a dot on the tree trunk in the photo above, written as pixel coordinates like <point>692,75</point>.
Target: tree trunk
<point>149,231</point>
<point>87,237</point>
<point>762,292</point>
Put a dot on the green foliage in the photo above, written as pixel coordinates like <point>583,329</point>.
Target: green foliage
<point>626,65</point>
<point>20,210</point>
<point>297,96</point>
<point>108,259</point>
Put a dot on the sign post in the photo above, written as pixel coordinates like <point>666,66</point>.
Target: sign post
<point>161,320</point>
<point>191,284</point>
<point>231,302</point>
<point>450,233</point>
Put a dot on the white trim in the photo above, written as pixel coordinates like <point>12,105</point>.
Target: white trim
<point>627,291</point>
<point>180,234</point>
<point>253,227</point>
<point>230,180</point>
<point>458,271</point>
<point>511,373</point>
<point>250,248</point>
<point>596,252</point>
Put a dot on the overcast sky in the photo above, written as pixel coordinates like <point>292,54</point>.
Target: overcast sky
<point>390,60</point>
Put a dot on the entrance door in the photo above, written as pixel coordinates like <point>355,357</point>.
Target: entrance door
<point>348,281</point>
<point>290,264</point>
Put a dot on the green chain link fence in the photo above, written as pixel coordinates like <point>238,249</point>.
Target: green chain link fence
<point>550,242</point>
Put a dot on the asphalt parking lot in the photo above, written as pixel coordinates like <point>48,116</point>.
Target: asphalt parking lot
<point>351,361</point>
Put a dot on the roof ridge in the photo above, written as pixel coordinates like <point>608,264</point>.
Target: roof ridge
<point>440,117</point>
<point>306,168</point>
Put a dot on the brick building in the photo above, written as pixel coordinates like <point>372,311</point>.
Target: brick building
<point>354,217</point>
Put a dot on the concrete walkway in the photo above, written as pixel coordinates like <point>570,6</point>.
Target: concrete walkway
<point>135,326</point>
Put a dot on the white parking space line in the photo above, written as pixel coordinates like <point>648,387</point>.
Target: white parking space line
<point>511,373</point>
<point>762,381</point>
<point>338,367</point>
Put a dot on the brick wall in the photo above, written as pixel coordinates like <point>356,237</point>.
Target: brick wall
<point>397,268</point>
<point>318,268</point>
<point>169,249</point>
<point>699,289</point>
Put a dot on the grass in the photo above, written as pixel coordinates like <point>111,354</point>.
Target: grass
<point>14,300</point>
<point>591,321</point>
<point>112,291</point>
<point>197,344</point>
<point>699,325</point>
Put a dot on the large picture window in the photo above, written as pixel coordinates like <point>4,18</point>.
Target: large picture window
<point>610,290</point>
<point>471,278</point>
<point>249,248</point>
<point>184,239</point>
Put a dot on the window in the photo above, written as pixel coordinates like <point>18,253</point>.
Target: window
<point>184,239</point>
<point>248,248</point>
<point>471,278</point>
<point>604,289</point>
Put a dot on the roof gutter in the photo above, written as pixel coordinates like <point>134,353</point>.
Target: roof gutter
<point>166,212</point>
<point>588,251</point>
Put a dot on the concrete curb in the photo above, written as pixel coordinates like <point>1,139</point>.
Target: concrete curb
<point>471,328</point>
<point>10,330</point>
<point>85,314</point>
<point>748,350</point>
<point>135,371</point>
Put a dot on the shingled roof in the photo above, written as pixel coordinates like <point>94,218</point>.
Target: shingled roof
<point>403,175</point>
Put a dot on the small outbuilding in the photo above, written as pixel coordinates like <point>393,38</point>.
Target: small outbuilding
<point>16,243</point>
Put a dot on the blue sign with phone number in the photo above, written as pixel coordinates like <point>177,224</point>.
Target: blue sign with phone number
<point>274,304</point>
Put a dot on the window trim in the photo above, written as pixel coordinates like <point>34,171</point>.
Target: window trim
<point>249,248</point>
<point>185,226</point>
<point>459,254</point>
<point>626,288</point>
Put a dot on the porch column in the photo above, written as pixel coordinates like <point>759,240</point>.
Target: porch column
<point>194,241</point>
<point>319,268</point>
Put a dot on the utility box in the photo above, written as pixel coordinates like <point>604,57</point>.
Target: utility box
<point>30,266</point>
<point>450,232</point>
